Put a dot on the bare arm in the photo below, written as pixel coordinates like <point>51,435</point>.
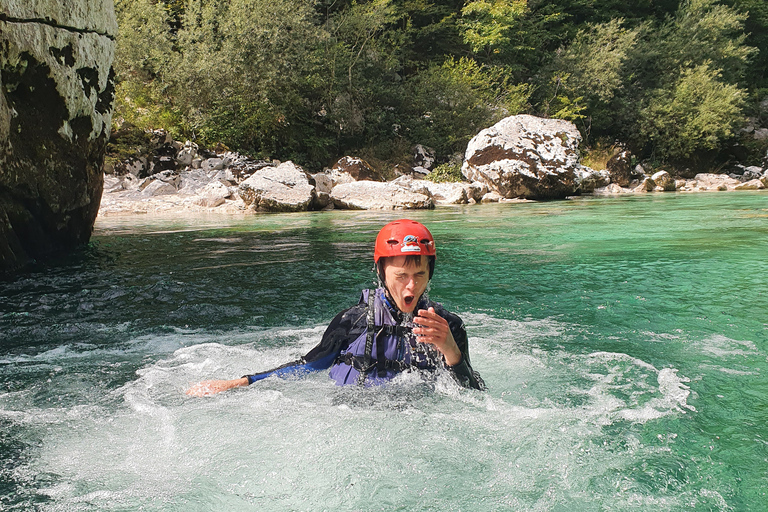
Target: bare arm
<point>211,387</point>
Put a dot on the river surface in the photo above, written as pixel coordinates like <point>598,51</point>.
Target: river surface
<point>624,342</point>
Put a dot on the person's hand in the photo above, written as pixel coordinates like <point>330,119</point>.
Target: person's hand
<point>211,387</point>
<point>434,329</point>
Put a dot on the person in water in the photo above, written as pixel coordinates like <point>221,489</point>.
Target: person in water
<point>393,329</point>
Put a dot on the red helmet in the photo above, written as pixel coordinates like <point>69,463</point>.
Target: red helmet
<point>404,237</point>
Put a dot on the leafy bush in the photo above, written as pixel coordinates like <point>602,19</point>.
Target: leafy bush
<point>444,173</point>
<point>455,100</point>
<point>597,156</point>
<point>696,115</point>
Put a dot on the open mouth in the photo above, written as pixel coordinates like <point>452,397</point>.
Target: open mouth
<point>408,299</point>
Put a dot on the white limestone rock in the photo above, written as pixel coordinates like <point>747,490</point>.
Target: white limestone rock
<point>212,195</point>
<point>375,195</point>
<point>714,182</point>
<point>450,193</point>
<point>611,189</point>
<point>55,117</point>
<point>664,182</point>
<point>587,179</point>
<point>284,188</point>
<point>525,156</point>
<point>750,185</point>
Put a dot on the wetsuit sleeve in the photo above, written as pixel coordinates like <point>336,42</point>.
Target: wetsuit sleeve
<point>462,371</point>
<point>343,329</point>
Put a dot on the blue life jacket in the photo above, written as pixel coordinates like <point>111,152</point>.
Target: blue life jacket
<point>384,349</point>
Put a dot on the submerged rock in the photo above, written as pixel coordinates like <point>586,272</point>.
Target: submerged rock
<point>525,156</point>
<point>56,92</point>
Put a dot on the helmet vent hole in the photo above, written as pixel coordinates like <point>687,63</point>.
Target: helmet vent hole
<point>392,241</point>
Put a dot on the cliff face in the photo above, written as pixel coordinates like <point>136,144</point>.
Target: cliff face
<point>56,92</point>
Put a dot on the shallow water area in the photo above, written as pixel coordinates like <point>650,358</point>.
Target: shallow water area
<point>624,343</point>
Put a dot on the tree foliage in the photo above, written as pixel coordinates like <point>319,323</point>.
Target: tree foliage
<point>314,80</point>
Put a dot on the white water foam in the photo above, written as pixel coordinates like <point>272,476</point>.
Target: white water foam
<point>535,441</point>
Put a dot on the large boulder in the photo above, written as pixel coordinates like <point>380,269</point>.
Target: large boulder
<point>525,156</point>
<point>357,168</point>
<point>587,179</point>
<point>450,193</point>
<point>750,185</point>
<point>713,182</point>
<point>285,188</point>
<point>620,168</point>
<point>374,195</point>
<point>56,93</point>
<point>664,182</point>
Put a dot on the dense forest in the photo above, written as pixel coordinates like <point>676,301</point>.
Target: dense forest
<point>675,82</point>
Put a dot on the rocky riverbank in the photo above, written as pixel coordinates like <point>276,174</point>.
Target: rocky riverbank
<point>520,158</point>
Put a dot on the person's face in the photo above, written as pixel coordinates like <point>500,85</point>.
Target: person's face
<point>406,283</point>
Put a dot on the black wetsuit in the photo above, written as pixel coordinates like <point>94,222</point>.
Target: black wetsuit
<point>351,326</point>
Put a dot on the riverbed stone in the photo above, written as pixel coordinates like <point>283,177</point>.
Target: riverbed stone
<point>713,182</point>
<point>752,172</point>
<point>213,194</point>
<point>56,92</point>
<point>423,157</point>
<point>610,190</point>
<point>450,193</point>
<point>285,188</point>
<point>155,187</point>
<point>587,179</point>
<point>187,154</point>
<point>525,156</point>
<point>620,168</point>
<point>212,164</point>
<point>357,168</point>
<point>646,185</point>
<point>491,197</point>
<point>750,185</point>
<point>374,195</point>
<point>664,182</point>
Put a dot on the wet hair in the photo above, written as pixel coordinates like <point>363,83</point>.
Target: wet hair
<point>410,259</point>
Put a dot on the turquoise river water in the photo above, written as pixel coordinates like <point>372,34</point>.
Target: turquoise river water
<point>624,342</point>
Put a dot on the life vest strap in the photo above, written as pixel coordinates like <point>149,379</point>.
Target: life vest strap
<point>359,363</point>
<point>367,362</point>
<point>371,318</point>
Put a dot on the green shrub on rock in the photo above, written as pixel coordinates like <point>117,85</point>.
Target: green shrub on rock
<point>446,173</point>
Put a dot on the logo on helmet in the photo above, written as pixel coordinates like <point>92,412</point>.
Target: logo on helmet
<point>410,244</point>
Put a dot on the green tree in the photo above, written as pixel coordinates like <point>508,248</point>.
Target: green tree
<point>453,101</point>
<point>487,25</point>
<point>144,52</point>
<point>638,84</point>
<point>696,115</point>
<point>589,74</point>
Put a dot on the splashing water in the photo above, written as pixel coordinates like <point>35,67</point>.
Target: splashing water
<point>625,370</point>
